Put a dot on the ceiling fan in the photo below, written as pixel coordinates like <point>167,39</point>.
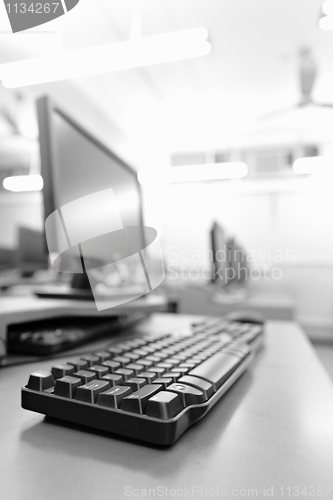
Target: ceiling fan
<point>308,71</point>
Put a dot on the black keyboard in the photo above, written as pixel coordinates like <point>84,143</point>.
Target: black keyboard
<point>150,387</point>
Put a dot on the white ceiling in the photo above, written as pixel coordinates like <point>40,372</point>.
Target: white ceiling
<point>211,101</point>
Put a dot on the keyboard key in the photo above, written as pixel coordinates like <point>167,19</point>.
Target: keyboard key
<point>113,379</point>
<point>217,368</point>
<point>114,351</point>
<point>135,367</point>
<point>145,363</point>
<point>131,344</point>
<point>79,364</point>
<point>154,358</point>
<point>164,405</point>
<point>188,395</point>
<point>180,369</point>
<point>159,371</point>
<point>91,359</point>
<point>132,356</point>
<point>40,381</point>
<point>124,346</point>
<point>113,397</point>
<point>89,392</point>
<point>188,364</point>
<point>198,358</point>
<point>174,375</point>
<point>204,386</point>
<point>189,354</point>
<point>165,365</point>
<point>102,356</point>
<point>148,349</point>
<point>136,383</point>
<point>180,356</point>
<point>122,360</point>
<point>139,352</point>
<point>175,362</point>
<point>85,376</point>
<point>149,376</point>
<point>125,373</point>
<point>137,342</point>
<point>168,352</point>
<point>112,365</point>
<point>140,342</point>
<point>159,345</point>
<point>164,381</point>
<point>66,386</point>
<point>137,401</point>
<point>61,370</point>
<point>99,371</point>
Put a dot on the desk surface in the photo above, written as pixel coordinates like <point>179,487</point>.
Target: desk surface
<point>214,301</point>
<point>273,428</point>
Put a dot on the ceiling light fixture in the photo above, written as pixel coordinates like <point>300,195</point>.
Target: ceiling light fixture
<point>326,23</point>
<point>193,173</point>
<point>134,53</point>
<point>319,165</point>
<point>20,183</point>
<point>328,7</point>
<point>326,17</point>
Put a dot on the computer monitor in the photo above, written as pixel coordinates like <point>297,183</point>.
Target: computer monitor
<point>229,259</point>
<point>75,163</point>
<point>220,255</point>
<point>30,253</point>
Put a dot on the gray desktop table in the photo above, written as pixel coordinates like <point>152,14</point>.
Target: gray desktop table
<point>272,430</point>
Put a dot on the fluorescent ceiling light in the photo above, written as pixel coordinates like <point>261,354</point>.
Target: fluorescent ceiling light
<point>326,23</point>
<point>23,183</point>
<point>328,7</point>
<point>144,51</point>
<point>319,165</point>
<point>193,173</point>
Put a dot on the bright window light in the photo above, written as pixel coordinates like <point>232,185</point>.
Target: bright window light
<point>318,165</point>
<point>326,23</point>
<point>145,51</point>
<point>193,173</point>
<point>23,183</point>
<point>328,7</point>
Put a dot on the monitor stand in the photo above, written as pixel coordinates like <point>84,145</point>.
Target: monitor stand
<point>79,289</point>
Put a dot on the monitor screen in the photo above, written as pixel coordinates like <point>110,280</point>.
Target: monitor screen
<point>76,164</point>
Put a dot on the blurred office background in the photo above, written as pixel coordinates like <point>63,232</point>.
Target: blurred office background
<point>206,110</point>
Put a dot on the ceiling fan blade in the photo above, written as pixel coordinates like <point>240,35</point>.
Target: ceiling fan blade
<point>307,73</point>
<point>275,114</point>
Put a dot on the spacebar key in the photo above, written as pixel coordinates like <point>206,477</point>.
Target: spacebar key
<point>217,368</point>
